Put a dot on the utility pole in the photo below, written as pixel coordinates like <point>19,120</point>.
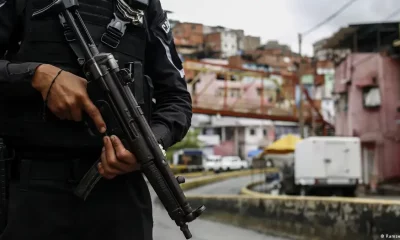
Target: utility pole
<point>299,75</point>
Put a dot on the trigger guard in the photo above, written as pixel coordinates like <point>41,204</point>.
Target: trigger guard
<point>91,127</point>
<point>113,126</point>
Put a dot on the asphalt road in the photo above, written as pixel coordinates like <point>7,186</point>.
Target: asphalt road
<point>165,228</point>
<point>227,187</point>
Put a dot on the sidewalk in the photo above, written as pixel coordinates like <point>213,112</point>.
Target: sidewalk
<point>389,189</point>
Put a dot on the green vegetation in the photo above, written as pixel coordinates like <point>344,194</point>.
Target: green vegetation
<point>189,141</point>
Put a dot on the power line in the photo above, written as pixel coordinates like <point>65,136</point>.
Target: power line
<point>397,11</point>
<point>330,17</point>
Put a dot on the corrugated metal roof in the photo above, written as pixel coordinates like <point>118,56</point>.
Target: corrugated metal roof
<point>339,36</point>
<point>335,40</point>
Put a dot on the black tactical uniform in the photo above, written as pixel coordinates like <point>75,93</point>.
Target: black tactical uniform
<point>52,155</point>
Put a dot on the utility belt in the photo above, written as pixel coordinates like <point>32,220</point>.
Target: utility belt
<point>49,165</point>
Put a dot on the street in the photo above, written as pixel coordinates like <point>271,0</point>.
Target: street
<point>165,228</point>
<point>227,187</point>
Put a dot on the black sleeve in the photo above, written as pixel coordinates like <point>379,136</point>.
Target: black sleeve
<point>172,115</point>
<point>11,73</point>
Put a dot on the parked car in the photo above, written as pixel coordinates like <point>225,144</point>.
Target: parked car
<point>213,163</point>
<point>229,163</point>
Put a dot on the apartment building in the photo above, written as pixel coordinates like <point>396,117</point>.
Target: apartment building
<point>222,44</point>
<point>188,38</point>
<point>367,90</point>
<point>239,136</point>
<point>251,43</point>
<point>189,34</point>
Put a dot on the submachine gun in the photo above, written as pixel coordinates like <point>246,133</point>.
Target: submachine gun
<point>122,108</point>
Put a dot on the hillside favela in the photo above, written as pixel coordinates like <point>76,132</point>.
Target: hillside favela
<point>289,144</point>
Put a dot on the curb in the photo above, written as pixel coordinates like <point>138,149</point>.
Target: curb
<point>209,173</point>
<point>246,190</point>
<point>195,174</point>
<point>221,177</point>
<point>248,193</point>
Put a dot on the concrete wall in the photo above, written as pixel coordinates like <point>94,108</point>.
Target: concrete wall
<point>306,218</point>
<point>251,43</point>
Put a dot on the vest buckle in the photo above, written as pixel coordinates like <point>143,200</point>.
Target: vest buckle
<point>111,37</point>
<point>68,33</point>
<point>115,31</point>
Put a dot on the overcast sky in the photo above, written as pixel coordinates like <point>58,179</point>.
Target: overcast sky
<point>280,19</point>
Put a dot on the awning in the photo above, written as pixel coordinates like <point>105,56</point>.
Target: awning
<point>254,153</point>
<point>286,144</point>
<point>366,82</point>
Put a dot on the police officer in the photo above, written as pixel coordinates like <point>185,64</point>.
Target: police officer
<point>39,75</point>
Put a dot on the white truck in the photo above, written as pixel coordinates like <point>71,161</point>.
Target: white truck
<point>327,166</point>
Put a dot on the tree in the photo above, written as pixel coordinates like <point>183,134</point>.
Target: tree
<point>189,141</point>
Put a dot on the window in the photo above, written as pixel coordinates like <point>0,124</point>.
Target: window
<point>235,92</point>
<point>252,131</point>
<point>265,132</point>
<point>343,102</point>
<point>220,92</point>
<point>371,97</point>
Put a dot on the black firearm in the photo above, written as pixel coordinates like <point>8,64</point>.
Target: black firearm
<point>124,118</point>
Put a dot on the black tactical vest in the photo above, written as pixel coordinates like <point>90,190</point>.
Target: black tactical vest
<point>44,42</point>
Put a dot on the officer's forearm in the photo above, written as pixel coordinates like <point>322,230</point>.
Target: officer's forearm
<point>172,118</point>
<point>15,73</point>
<point>15,78</point>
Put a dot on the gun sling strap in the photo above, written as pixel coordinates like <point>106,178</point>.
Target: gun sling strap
<point>109,41</point>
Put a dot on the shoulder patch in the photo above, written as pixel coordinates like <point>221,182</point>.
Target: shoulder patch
<point>163,28</point>
<point>165,25</point>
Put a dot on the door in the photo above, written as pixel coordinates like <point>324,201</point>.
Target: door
<point>336,159</point>
<point>369,164</point>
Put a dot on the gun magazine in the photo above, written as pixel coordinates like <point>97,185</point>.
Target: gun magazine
<point>88,182</point>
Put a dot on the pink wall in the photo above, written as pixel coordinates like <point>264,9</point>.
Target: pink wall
<point>372,126</point>
<point>208,86</point>
<point>226,148</point>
